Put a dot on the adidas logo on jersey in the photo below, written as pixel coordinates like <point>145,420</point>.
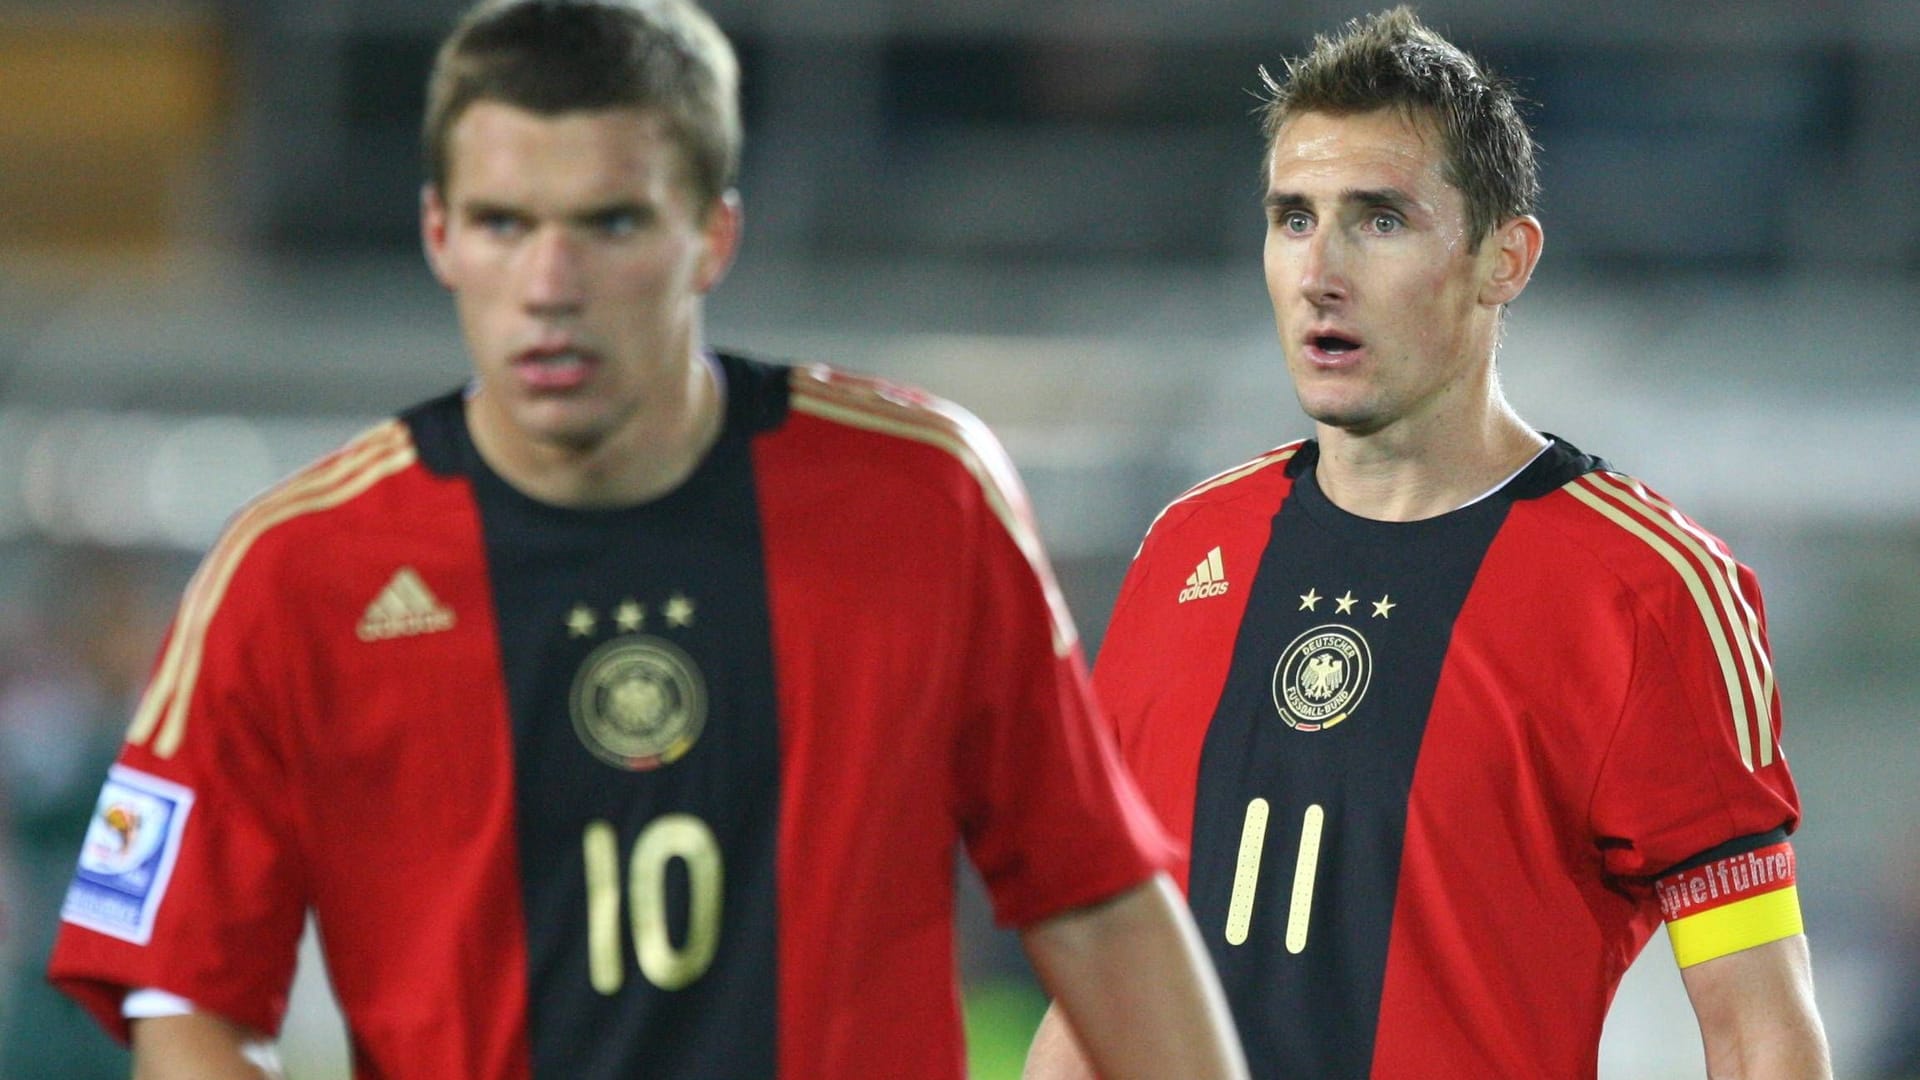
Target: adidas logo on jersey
<point>404,608</point>
<point>1207,579</point>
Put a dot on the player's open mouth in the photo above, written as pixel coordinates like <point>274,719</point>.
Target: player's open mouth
<point>554,368</point>
<point>1332,347</point>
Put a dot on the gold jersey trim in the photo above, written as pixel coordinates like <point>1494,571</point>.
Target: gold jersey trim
<point>1278,456</point>
<point>1712,579</point>
<point>371,457</point>
<point>868,405</point>
<point>1730,928</point>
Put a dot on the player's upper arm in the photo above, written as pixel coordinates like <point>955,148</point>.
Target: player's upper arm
<point>201,1046</point>
<point>1692,760</point>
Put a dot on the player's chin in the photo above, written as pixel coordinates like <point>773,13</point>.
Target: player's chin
<point>563,424</point>
<point>1353,417</point>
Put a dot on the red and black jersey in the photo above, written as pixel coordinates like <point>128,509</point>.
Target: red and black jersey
<point>1443,778</point>
<point>666,791</point>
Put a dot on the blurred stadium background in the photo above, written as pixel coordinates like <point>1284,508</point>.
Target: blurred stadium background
<point>1048,210</point>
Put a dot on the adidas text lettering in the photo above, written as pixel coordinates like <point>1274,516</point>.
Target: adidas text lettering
<point>1208,579</point>
<point>405,626</point>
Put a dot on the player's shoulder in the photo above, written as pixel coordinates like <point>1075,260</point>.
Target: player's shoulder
<point>1641,537</point>
<point>1253,487</point>
<point>880,421</point>
<point>1249,479</point>
<point>916,454</point>
<point>312,515</point>
<point>870,404</point>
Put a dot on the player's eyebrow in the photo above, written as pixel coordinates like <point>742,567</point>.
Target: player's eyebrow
<point>479,209</point>
<point>1284,200</point>
<point>1389,197</point>
<point>474,209</point>
<point>601,211</point>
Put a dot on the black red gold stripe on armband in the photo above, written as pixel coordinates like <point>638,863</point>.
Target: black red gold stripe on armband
<point>1730,904</point>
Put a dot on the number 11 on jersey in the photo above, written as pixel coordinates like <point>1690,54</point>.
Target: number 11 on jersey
<point>1246,875</point>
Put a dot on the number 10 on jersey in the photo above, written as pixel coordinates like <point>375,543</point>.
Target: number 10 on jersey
<point>665,965</point>
<point>1246,875</point>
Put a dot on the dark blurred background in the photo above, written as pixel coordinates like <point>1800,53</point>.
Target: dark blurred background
<point>209,273</point>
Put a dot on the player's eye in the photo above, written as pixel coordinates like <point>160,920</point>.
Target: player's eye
<point>499,223</point>
<point>620,221</point>
<point>1296,222</point>
<point>1387,223</point>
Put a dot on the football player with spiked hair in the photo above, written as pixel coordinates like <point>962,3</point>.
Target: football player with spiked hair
<point>1476,712</point>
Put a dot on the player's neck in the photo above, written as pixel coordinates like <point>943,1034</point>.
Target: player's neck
<point>1422,467</point>
<point>651,453</point>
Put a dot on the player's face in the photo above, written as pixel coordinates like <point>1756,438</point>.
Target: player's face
<point>1383,312</point>
<point>578,261</point>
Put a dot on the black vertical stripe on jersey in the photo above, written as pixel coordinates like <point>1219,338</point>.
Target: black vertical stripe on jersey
<point>1314,1014</point>
<point>702,542</point>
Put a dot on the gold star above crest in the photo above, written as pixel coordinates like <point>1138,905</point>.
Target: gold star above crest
<point>1382,606</point>
<point>629,616</point>
<point>1309,599</point>
<point>581,621</point>
<point>679,611</point>
<point>1346,602</point>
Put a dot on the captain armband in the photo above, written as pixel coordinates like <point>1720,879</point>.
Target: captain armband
<point>1728,904</point>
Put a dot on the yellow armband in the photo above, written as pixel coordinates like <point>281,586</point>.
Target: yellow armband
<point>1730,904</point>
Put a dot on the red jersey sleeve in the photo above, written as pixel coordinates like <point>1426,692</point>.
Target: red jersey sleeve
<point>1695,761</point>
<point>189,879</point>
<point>1050,816</point>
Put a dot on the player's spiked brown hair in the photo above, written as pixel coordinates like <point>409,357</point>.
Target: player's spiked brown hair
<point>1392,60</point>
<point>557,56</point>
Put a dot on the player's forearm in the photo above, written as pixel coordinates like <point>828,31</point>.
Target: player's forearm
<point>1054,1054</point>
<point>200,1046</point>
<point>1771,1057</point>
<point>1757,1015</point>
<point>1788,1047</point>
<point>1133,977</point>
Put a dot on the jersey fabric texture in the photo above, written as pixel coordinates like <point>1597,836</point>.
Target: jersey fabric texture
<point>665,791</point>
<point>1431,771</point>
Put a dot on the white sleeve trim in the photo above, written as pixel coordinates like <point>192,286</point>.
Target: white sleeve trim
<point>151,1004</point>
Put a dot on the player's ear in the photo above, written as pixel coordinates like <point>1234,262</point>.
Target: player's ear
<point>1516,244</point>
<point>721,234</point>
<point>433,231</point>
